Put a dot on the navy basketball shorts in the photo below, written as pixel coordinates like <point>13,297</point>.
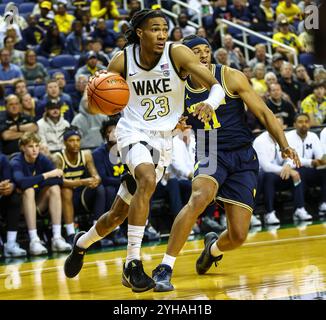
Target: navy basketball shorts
<point>235,172</point>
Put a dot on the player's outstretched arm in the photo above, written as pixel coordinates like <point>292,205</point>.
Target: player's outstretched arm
<point>237,82</point>
<point>187,63</point>
<point>117,63</point>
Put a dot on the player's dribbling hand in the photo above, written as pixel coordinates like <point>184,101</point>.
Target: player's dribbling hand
<point>99,72</point>
<point>182,124</point>
<point>290,153</point>
<point>204,111</point>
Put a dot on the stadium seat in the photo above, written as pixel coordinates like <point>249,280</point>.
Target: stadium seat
<point>15,1</point>
<point>26,7</point>
<point>44,61</point>
<point>69,88</point>
<point>253,40</point>
<point>64,61</point>
<point>307,59</point>
<point>123,11</point>
<point>2,8</point>
<point>39,91</point>
<point>53,71</point>
<point>30,89</point>
<point>208,22</point>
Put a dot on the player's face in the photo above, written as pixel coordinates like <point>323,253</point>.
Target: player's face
<point>72,144</point>
<point>154,35</point>
<point>110,135</point>
<point>302,124</point>
<point>203,52</point>
<point>31,150</point>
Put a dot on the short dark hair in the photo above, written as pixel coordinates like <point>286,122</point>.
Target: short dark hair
<point>112,121</point>
<point>301,114</point>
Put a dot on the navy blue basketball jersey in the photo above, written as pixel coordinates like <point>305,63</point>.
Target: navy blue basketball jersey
<point>73,171</point>
<point>228,120</point>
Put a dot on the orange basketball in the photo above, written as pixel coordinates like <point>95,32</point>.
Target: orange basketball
<point>107,94</point>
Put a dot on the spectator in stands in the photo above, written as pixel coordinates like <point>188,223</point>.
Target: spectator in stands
<point>258,81</point>
<point>45,19</point>
<point>52,126</point>
<point>97,47</point>
<point>76,41</point>
<point>20,88</point>
<point>279,106</point>
<point>12,30</point>
<point>53,43</point>
<point>120,43</point>
<point>288,38</point>
<point>304,80</point>
<point>106,10</point>
<point>323,139</point>
<point>62,18</point>
<point>92,65</point>
<point>289,9</point>
<point>310,151</point>
<point>270,78</point>
<point>133,7</point>
<point>240,13</point>
<point>221,57</point>
<point>2,101</point>
<point>53,94</point>
<point>108,36</point>
<point>110,169</point>
<point>82,189</point>
<point>184,25</point>
<point>260,57</point>
<point>10,202</point>
<point>277,62</point>
<point>235,55</point>
<point>39,181</point>
<point>9,72</point>
<point>80,86</point>
<point>315,104</point>
<point>60,78</point>
<point>289,84</point>
<point>13,124</point>
<point>176,34</point>
<point>33,34</point>
<point>201,32</point>
<point>319,74</point>
<point>33,71</point>
<point>221,11</point>
<point>89,125</point>
<point>28,104</point>
<point>247,71</point>
<point>306,38</point>
<point>278,175</point>
<point>16,56</point>
<point>88,26</point>
<point>263,18</point>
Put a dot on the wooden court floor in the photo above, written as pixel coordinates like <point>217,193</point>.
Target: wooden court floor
<point>287,263</point>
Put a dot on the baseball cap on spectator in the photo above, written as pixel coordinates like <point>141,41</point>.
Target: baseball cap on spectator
<point>91,54</point>
<point>283,22</point>
<point>277,56</point>
<point>53,104</point>
<point>46,5</point>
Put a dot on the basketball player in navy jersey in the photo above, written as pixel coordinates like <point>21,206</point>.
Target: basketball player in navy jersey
<point>155,71</point>
<point>227,165</point>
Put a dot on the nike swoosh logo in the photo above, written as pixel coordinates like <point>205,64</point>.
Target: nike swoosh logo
<point>132,74</point>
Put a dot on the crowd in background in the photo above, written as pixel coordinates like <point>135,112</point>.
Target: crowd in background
<point>49,51</point>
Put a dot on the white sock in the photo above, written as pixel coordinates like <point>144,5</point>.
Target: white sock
<point>87,239</point>
<point>135,237</point>
<point>169,260</point>
<point>215,251</point>
<point>11,237</point>
<point>70,229</point>
<point>32,234</point>
<point>56,231</point>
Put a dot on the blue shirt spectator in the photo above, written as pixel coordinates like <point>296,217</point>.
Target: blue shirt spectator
<point>76,41</point>
<point>9,72</point>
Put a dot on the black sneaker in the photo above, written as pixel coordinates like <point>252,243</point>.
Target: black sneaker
<point>134,277</point>
<point>206,260</point>
<point>75,260</point>
<point>162,277</point>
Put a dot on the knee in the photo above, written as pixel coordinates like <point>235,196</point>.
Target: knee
<point>147,183</point>
<point>199,200</point>
<point>54,190</point>
<point>66,194</point>
<point>238,237</point>
<point>29,193</point>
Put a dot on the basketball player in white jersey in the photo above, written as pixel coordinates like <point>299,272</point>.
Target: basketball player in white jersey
<point>155,71</point>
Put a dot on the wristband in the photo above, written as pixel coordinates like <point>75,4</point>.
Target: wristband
<point>216,96</point>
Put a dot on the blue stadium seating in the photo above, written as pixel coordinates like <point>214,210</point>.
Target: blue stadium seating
<point>64,61</point>
<point>253,40</point>
<point>2,8</point>
<point>15,1</point>
<point>306,59</point>
<point>44,61</point>
<point>26,7</point>
<point>39,91</point>
<point>69,88</point>
<point>52,71</point>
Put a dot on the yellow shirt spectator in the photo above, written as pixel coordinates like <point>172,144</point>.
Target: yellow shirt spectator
<point>63,19</point>
<point>316,109</point>
<point>106,10</point>
<point>289,39</point>
<point>289,11</point>
<point>259,85</point>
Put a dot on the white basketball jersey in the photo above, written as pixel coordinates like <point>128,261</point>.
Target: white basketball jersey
<point>156,99</point>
